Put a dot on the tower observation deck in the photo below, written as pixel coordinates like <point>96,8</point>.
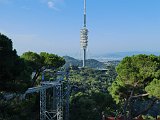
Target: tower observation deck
<point>84,36</point>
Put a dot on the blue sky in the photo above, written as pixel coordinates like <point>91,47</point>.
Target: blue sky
<point>54,25</point>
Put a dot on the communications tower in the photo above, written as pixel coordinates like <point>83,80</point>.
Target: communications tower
<point>84,36</point>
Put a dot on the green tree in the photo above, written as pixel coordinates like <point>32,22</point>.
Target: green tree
<point>42,61</point>
<point>90,106</point>
<point>14,74</point>
<point>138,80</point>
<point>153,88</point>
<point>15,77</point>
<point>89,97</point>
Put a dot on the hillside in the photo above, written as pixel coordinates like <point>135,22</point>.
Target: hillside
<point>91,63</point>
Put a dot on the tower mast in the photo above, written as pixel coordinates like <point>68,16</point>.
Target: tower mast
<point>84,36</point>
<point>84,13</point>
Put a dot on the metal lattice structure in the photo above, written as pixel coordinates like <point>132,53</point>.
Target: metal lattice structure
<point>60,90</point>
<point>42,104</point>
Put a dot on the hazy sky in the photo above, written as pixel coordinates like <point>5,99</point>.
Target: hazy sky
<point>54,25</point>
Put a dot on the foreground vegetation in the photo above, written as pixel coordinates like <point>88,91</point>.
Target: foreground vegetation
<point>90,97</point>
<point>132,90</point>
<point>137,85</point>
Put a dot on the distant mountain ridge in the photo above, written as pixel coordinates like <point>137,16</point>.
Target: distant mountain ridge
<point>121,55</point>
<point>100,61</point>
<point>91,63</point>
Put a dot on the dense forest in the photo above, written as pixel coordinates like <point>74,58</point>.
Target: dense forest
<point>129,90</point>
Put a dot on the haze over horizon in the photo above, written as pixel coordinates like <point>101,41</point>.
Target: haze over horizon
<point>54,25</point>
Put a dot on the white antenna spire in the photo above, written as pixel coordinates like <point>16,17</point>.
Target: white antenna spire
<point>84,13</point>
